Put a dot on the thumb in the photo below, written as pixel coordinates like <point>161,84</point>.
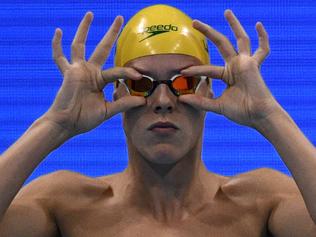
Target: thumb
<point>202,102</point>
<point>123,104</point>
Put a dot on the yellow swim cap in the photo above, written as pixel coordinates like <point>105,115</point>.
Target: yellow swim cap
<point>160,29</point>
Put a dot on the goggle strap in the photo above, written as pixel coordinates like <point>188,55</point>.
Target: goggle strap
<point>203,78</point>
<point>123,82</point>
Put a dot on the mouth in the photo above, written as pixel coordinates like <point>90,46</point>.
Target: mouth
<point>163,127</point>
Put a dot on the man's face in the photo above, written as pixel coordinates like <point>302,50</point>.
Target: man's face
<point>163,145</point>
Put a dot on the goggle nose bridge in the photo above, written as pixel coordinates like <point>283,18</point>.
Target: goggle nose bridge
<point>156,83</point>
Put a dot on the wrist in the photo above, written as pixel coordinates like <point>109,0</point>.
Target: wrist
<point>58,132</point>
<point>270,123</point>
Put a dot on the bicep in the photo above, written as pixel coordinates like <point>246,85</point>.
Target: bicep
<point>27,218</point>
<point>291,218</point>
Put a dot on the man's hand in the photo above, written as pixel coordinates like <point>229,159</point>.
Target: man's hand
<point>80,104</point>
<point>246,100</point>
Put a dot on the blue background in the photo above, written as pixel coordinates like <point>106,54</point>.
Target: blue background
<point>30,80</point>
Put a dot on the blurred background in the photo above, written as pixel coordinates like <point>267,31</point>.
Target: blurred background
<point>30,80</point>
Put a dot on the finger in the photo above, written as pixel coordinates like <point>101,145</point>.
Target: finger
<point>103,49</point>
<point>204,70</point>
<point>123,104</point>
<point>79,41</point>
<point>115,73</point>
<point>243,42</point>
<point>201,102</point>
<point>264,47</point>
<point>58,54</point>
<point>222,43</point>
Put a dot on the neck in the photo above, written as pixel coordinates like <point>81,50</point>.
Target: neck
<point>169,191</point>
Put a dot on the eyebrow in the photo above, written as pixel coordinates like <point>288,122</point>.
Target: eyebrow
<point>145,71</point>
<point>142,70</point>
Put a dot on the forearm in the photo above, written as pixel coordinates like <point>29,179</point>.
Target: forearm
<point>297,152</point>
<point>20,160</point>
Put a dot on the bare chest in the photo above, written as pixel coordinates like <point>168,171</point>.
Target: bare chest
<point>118,221</point>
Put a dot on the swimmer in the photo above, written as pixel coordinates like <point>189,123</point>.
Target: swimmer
<point>163,88</point>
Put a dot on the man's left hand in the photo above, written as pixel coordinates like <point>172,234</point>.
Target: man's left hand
<point>246,100</point>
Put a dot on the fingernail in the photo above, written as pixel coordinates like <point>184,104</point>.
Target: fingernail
<point>137,75</point>
<point>197,22</point>
<point>185,71</point>
<point>89,14</point>
<point>119,18</point>
<point>228,11</point>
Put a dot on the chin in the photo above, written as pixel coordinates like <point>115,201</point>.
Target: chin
<point>162,160</point>
<point>163,154</point>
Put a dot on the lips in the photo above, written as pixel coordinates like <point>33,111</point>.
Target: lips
<point>162,125</point>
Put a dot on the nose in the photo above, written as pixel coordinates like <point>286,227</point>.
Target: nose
<point>162,100</point>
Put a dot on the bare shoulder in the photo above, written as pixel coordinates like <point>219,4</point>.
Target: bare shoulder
<point>62,184</point>
<point>263,182</point>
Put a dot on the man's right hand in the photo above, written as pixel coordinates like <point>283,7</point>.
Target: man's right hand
<point>80,104</point>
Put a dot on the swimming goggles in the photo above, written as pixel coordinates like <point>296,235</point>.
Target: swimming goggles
<point>178,84</point>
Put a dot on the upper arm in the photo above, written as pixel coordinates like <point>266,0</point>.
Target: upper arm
<point>27,218</point>
<point>289,216</point>
<point>30,213</point>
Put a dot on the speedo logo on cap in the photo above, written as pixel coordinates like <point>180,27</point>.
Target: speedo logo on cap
<point>157,29</point>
